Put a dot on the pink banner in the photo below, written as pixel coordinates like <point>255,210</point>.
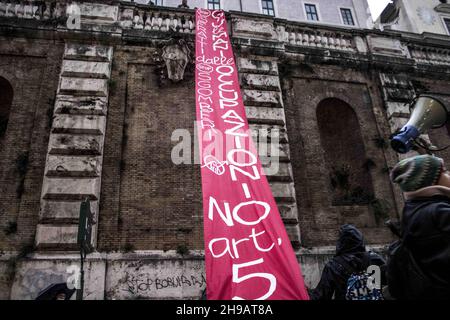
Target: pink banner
<point>247,250</point>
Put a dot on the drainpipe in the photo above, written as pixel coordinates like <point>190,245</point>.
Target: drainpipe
<point>240,4</point>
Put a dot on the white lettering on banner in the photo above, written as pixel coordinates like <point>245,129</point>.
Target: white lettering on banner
<point>242,222</point>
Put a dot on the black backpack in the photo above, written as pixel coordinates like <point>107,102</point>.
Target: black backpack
<point>407,280</point>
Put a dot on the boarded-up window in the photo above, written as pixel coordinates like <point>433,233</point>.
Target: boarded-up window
<point>344,151</point>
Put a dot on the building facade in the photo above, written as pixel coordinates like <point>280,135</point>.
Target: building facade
<point>430,16</point>
<point>344,13</point>
<point>88,110</point>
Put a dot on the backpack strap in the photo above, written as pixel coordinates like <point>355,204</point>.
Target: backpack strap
<point>349,268</point>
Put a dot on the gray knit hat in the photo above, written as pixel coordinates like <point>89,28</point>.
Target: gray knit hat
<point>417,172</point>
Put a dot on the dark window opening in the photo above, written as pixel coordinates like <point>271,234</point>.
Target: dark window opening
<point>6,97</point>
<point>347,17</point>
<point>447,24</point>
<point>311,12</point>
<point>344,151</point>
<point>213,4</point>
<point>268,8</point>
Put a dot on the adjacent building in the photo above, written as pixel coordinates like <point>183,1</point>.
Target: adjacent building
<point>417,16</point>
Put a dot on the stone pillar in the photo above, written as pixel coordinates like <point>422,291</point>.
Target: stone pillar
<point>74,159</point>
<point>264,107</point>
<point>398,92</point>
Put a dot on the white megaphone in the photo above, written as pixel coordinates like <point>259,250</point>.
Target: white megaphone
<point>427,113</point>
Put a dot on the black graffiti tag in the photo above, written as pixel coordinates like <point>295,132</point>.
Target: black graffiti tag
<point>141,283</point>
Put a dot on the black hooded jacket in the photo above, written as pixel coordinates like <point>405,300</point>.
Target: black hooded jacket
<point>426,233</point>
<point>349,258</point>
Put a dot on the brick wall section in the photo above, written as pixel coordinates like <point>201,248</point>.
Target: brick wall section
<point>159,203</point>
<point>32,68</point>
<point>304,88</point>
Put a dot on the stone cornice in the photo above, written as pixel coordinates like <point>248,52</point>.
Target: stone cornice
<point>118,21</point>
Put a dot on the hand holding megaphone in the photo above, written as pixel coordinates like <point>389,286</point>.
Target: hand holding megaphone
<point>426,113</point>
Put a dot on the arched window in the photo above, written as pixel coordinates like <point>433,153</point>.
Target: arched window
<point>347,164</point>
<point>6,97</point>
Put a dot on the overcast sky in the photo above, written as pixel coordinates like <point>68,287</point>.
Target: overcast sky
<point>377,6</point>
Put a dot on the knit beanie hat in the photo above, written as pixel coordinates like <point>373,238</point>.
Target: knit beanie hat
<point>417,172</point>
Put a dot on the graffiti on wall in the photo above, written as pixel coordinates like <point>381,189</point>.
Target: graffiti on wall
<point>142,284</point>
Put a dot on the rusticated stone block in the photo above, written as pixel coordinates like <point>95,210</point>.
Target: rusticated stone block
<point>278,172</point>
<point>293,232</point>
<point>68,166</point>
<point>283,192</point>
<point>49,235</point>
<point>267,132</point>
<point>288,212</point>
<point>81,105</point>
<point>86,69</point>
<point>70,189</point>
<point>397,109</point>
<point>260,81</point>
<point>86,124</point>
<point>64,144</point>
<point>63,210</point>
<point>272,150</point>
<point>262,98</point>
<point>264,115</point>
<point>83,86</point>
<point>77,51</point>
<point>397,123</point>
<point>247,65</point>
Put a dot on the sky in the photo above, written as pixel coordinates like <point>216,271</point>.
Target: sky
<point>377,6</point>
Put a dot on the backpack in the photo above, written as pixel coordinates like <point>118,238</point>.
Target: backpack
<point>360,284</point>
<point>406,279</point>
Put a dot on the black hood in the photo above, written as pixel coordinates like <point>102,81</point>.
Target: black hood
<point>350,241</point>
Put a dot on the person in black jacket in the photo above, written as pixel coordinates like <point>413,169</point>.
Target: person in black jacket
<point>351,257</point>
<point>424,272</point>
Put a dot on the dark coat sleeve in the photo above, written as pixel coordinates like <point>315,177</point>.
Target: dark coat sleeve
<point>394,274</point>
<point>441,217</point>
<point>326,287</point>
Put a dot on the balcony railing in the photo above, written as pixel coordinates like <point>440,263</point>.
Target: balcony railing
<point>318,38</point>
<point>430,55</point>
<point>37,10</point>
<point>157,19</point>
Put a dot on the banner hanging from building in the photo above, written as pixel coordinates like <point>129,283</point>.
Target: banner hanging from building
<point>248,254</point>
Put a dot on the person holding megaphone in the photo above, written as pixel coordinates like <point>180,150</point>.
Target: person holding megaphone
<point>419,264</point>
